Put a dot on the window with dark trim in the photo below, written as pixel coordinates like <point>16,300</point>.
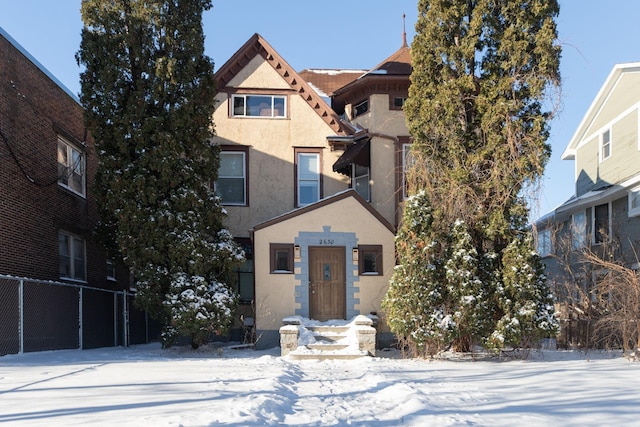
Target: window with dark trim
<point>72,256</point>
<point>360,108</point>
<point>265,106</point>
<point>281,258</point>
<point>308,174</point>
<point>231,185</point>
<point>398,102</point>
<point>111,269</point>
<point>370,260</point>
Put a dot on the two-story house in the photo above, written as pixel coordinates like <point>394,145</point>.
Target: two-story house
<point>58,287</point>
<point>606,206</point>
<point>311,177</point>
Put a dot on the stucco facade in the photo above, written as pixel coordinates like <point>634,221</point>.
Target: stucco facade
<point>265,184</point>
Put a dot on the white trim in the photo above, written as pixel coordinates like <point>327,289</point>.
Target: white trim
<point>83,166</point>
<point>633,211</point>
<point>596,105</point>
<point>601,145</point>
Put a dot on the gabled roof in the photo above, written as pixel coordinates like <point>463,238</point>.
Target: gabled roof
<point>257,45</point>
<point>596,106</point>
<point>324,202</point>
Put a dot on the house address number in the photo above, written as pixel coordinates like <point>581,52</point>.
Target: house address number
<point>326,241</point>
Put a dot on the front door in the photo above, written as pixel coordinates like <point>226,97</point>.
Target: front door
<point>327,283</point>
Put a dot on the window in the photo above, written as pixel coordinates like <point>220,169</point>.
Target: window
<point>579,230</point>
<point>71,167</point>
<point>245,287</point>
<point>258,106</point>
<point>71,253</point>
<point>281,258</point>
<point>361,108</point>
<point>360,181</point>
<point>231,185</point>
<point>111,270</point>
<point>601,223</point>
<point>634,202</point>
<point>398,102</point>
<point>605,145</point>
<point>544,242</point>
<point>308,186</point>
<point>370,260</point>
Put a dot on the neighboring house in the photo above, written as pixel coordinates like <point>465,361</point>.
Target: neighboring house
<point>312,189</point>
<point>606,206</point>
<point>47,216</point>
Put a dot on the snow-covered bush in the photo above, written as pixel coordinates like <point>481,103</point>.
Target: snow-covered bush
<point>197,309</point>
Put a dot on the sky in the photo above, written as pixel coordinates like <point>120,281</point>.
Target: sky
<point>594,36</point>
<point>215,386</point>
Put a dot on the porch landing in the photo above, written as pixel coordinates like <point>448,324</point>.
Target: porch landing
<point>303,338</point>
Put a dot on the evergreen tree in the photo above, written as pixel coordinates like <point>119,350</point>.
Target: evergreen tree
<point>483,71</point>
<point>149,93</point>
<point>525,300</point>
<point>416,302</point>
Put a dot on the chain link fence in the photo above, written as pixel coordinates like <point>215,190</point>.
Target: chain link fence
<point>38,315</point>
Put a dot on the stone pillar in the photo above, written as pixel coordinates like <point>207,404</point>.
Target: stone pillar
<point>366,334</point>
<point>288,339</point>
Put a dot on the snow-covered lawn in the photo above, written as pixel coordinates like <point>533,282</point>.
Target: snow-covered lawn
<point>145,385</point>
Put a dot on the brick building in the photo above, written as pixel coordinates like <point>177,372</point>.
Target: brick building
<point>58,287</point>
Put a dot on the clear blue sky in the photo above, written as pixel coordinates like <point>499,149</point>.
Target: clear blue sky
<point>594,35</point>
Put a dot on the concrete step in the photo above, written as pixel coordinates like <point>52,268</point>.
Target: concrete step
<point>326,346</point>
<point>295,355</point>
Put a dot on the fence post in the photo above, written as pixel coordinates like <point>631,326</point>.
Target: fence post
<point>125,318</point>
<point>80,334</point>
<point>21,314</point>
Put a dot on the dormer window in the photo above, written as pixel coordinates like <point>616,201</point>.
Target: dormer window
<point>398,102</point>
<point>605,145</point>
<point>265,106</point>
<point>361,108</point>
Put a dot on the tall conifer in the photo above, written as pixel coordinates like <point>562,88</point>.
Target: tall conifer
<point>149,93</point>
<point>478,112</point>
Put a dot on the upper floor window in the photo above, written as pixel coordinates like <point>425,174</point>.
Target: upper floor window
<point>258,106</point>
<point>111,270</point>
<point>308,185</point>
<point>601,223</point>
<point>360,108</point>
<point>605,145</point>
<point>398,102</point>
<point>71,256</point>
<point>544,242</point>
<point>231,185</point>
<point>579,230</point>
<point>634,201</point>
<point>360,181</point>
<point>71,167</point>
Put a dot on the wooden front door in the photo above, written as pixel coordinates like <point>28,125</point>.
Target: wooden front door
<point>327,283</point>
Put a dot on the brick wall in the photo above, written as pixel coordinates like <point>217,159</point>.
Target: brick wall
<point>34,111</point>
